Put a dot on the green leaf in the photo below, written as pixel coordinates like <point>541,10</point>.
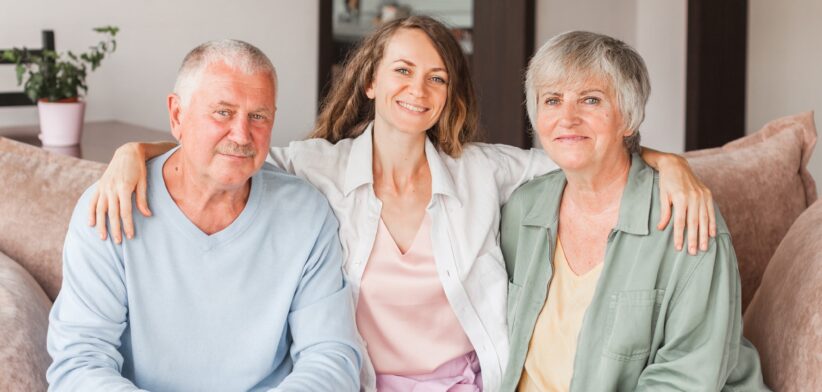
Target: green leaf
<point>20,69</point>
<point>53,76</point>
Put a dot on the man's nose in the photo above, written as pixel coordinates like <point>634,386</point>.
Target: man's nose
<point>240,132</point>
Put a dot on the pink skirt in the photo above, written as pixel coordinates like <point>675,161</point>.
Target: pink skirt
<point>461,374</point>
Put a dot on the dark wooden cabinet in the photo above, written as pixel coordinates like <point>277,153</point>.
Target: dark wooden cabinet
<point>503,44</point>
<point>716,75</point>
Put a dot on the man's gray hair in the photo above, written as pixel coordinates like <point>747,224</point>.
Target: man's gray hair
<point>234,53</point>
<point>577,55</point>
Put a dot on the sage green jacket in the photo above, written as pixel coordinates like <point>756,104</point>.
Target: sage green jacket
<point>659,320</point>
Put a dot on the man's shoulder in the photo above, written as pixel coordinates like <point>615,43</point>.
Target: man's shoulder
<point>286,187</point>
<point>81,208</point>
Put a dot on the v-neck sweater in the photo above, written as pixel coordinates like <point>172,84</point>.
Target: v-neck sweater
<point>260,304</point>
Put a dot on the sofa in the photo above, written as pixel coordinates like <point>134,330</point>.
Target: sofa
<point>760,183</point>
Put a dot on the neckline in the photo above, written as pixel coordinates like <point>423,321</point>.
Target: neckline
<point>184,224</point>
<point>570,272</point>
<point>413,245</point>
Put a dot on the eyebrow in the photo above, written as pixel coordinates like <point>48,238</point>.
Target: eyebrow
<point>224,103</point>
<point>438,69</point>
<point>593,90</point>
<point>233,106</point>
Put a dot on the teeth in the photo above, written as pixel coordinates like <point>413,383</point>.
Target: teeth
<point>411,107</point>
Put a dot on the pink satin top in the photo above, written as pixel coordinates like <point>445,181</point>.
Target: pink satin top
<point>403,314</point>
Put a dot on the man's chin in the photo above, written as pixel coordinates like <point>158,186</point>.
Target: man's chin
<point>234,175</point>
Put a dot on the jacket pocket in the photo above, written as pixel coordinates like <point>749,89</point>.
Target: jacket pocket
<point>633,316</point>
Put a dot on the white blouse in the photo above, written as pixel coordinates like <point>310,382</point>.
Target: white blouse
<point>467,193</point>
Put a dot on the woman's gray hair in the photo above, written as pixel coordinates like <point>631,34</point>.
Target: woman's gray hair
<point>234,53</point>
<point>577,55</point>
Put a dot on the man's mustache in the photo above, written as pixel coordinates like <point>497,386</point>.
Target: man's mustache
<point>231,148</point>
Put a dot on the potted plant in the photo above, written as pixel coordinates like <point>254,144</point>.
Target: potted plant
<point>55,80</point>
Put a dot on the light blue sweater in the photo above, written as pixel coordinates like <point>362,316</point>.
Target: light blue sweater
<point>261,304</point>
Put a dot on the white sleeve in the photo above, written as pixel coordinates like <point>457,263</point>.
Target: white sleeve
<point>281,157</point>
<point>514,166</point>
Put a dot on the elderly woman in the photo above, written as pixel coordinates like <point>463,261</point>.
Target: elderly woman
<point>598,299</point>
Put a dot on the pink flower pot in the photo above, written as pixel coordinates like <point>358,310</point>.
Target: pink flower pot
<point>61,123</point>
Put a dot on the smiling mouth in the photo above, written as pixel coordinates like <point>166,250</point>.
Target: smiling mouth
<point>413,108</point>
<point>238,157</point>
<point>570,138</point>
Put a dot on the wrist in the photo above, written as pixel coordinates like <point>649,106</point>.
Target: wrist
<point>671,160</point>
<point>135,148</point>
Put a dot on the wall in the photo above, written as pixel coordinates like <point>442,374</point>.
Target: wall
<point>132,84</point>
<point>783,56</point>
<point>784,53</point>
<point>658,32</point>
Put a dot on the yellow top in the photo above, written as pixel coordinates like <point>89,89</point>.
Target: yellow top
<point>549,364</point>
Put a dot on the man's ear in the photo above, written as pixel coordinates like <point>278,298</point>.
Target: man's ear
<point>175,112</point>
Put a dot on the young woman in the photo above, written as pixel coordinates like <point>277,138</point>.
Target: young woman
<point>418,205</point>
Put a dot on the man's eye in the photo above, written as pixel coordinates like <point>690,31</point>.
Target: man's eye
<point>223,113</point>
<point>257,117</point>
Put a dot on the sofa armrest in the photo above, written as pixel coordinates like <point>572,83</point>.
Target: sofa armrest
<point>24,311</point>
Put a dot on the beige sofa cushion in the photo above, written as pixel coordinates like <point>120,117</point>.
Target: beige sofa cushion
<point>24,311</point>
<point>784,319</point>
<point>762,185</point>
<point>38,193</point>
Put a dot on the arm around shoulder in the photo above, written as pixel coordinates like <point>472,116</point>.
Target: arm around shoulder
<point>513,166</point>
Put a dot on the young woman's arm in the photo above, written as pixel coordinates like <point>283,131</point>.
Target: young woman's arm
<point>683,196</point>
<point>692,201</point>
<point>125,174</point>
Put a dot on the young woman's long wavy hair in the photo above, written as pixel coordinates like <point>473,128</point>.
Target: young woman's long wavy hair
<point>346,110</point>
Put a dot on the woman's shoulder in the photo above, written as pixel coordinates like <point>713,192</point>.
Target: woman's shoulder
<point>320,145</point>
<point>540,187</point>
<point>538,191</point>
<point>489,151</point>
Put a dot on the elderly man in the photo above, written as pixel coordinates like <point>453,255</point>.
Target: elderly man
<point>235,284</point>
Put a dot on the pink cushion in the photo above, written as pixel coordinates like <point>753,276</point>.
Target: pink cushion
<point>784,319</point>
<point>24,311</point>
<point>38,193</point>
<point>761,185</point>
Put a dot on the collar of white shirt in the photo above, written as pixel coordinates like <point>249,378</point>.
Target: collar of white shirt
<point>359,169</point>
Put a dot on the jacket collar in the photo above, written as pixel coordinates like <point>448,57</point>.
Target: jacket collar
<point>635,205</point>
<point>359,169</point>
